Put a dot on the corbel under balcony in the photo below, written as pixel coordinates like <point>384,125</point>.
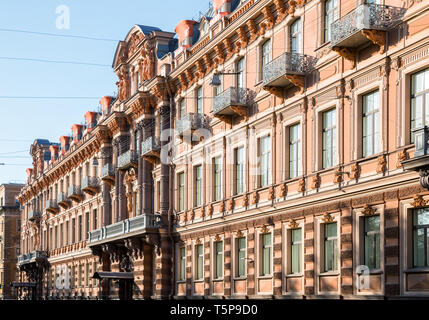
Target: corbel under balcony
<point>366,23</point>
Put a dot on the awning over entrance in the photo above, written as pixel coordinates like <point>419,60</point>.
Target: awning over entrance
<point>114,275</point>
<point>23,284</point>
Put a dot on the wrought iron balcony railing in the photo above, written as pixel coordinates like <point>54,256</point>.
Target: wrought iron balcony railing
<point>281,71</point>
<point>151,147</point>
<point>90,184</point>
<point>346,31</point>
<point>52,206</point>
<point>63,200</point>
<point>191,122</point>
<point>75,193</point>
<point>136,225</point>
<point>232,101</point>
<point>34,215</point>
<point>128,160</point>
<point>31,257</point>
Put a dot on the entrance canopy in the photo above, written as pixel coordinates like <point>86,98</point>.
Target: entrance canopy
<point>23,284</point>
<point>114,275</point>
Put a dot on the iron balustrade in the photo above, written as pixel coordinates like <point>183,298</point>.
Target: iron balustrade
<point>74,191</point>
<point>122,228</point>
<point>127,159</point>
<point>287,63</point>
<point>190,122</point>
<point>33,215</point>
<point>89,182</point>
<point>31,257</point>
<point>230,97</point>
<point>51,204</point>
<point>365,16</point>
<point>151,145</point>
<point>107,170</point>
<point>61,197</point>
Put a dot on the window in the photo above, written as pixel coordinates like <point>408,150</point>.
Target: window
<point>266,54</point>
<point>330,247</point>
<point>182,109</point>
<point>56,237</point>
<point>158,200</point>
<point>80,229</point>
<point>181,186</point>
<point>370,124</point>
<point>329,138</point>
<point>266,254</point>
<point>239,170</point>
<point>240,73</point>
<point>87,225</point>
<point>218,89</point>
<point>294,150</point>
<point>265,161</point>
<point>73,230</point>
<point>419,100</point>
<point>95,219</point>
<point>331,14</point>
<point>200,100</point>
<point>199,262</point>
<point>182,264</point>
<point>80,275</point>
<point>295,37</point>
<point>241,257</point>
<point>67,232</point>
<point>61,235</point>
<point>87,274</point>
<point>218,246</point>
<point>295,250</point>
<point>421,238</point>
<point>372,242</point>
<point>217,178</point>
<point>198,185</point>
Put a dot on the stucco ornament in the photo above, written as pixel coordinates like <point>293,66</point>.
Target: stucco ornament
<point>123,84</point>
<point>129,179</point>
<point>147,62</point>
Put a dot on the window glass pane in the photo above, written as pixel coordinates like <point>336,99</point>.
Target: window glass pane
<point>266,254</point>
<point>419,248</point>
<point>219,260</point>
<point>331,230</point>
<point>241,247</point>
<point>421,217</point>
<point>239,170</point>
<point>294,150</point>
<point>296,250</point>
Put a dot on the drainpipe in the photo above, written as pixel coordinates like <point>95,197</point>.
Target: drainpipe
<point>171,191</point>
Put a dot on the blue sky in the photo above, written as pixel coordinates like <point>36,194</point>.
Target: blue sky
<point>23,120</point>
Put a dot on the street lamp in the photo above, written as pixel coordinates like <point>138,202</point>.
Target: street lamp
<point>216,82</point>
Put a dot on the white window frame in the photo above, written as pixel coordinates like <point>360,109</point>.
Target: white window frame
<point>287,257</point>
<point>258,262</point>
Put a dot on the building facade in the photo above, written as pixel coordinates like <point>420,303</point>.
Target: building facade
<point>10,224</point>
<point>269,150</point>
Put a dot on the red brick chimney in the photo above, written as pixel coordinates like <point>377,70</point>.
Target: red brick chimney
<point>223,7</point>
<point>91,120</point>
<point>185,32</point>
<point>54,152</point>
<point>77,132</point>
<point>105,103</point>
<point>65,144</point>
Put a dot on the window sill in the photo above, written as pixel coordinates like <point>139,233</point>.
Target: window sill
<point>417,270</point>
<point>217,280</point>
<point>240,278</point>
<point>181,281</point>
<point>294,275</point>
<point>329,273</point>
<point>372,272</point>
<point>270,276</point>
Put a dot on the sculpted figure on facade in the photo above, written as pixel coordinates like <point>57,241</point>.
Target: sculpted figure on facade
<point>147,62</point>
<point>129,179</point>
<point>123,84</point>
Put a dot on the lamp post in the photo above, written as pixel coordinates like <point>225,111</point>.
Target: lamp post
<point>216,82</point>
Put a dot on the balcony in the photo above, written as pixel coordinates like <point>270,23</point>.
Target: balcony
<point>368,22</point>
<point>127,160</point>
<point>190,123</point>
<point>62,200</point>
<point>75,193</point>
<point>52,206</point>
<point>34,215</point>
<point>233,101</point>
<point>90,185</point>
<point>286,70</point>
<point>108,174</point>
<point>31,257</point>
<point>130,227</point>
<point>151,149</point>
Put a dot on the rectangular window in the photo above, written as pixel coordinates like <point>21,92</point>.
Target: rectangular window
<point>80,229</point>
<point>217,178</point>
<point>295,36</point>
<point>80,275</point>
<point>331,14</point>
<point>182,264</point>
<point>372,242</point>
<point>199,255</point>
<point>240,73</point>
<point>73,230</point>
<point>218,246</point>
<point>181,186</point>
<point>329,138</point>
<point>294,150</point>
<point>419,100</point>
<point>158,200</point>
<point>266,55</point>
<point>67,232</point>
<point>241,257</point>
<point>87,274</point>
<point>266,254</point>
<point>239,170</point>
<point>200,100</point>
<point>295,250</point>
<point>182,109</point>
<point>56,237</point>
<point>61,235</point>
<point>370,124</point>
<point>421,238</point>
<point>265,161</point>
<point>95,219</point>
<point>198,185</point>
<point>87,226</point>
<point>331,248</point>
<point>218,89</point>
